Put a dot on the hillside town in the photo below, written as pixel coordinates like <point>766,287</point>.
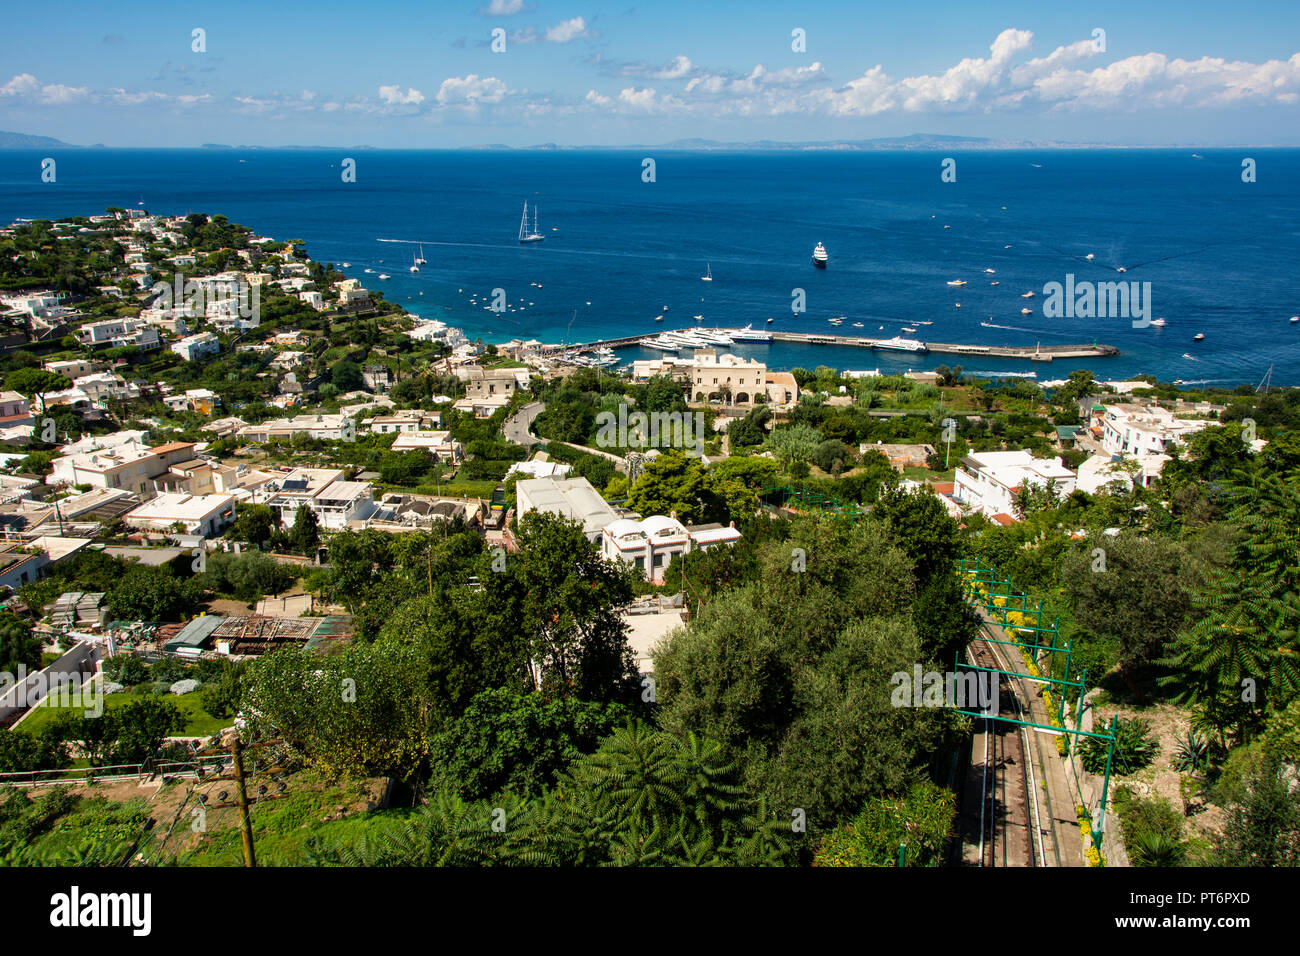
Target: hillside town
<point>228,467</point>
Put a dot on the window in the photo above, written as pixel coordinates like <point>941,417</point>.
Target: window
<point>659,560</point>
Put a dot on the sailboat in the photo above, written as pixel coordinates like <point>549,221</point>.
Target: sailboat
<point>420,260</point>
<point>708,273</point>
<point>415,266</point>
<point>524,234</point>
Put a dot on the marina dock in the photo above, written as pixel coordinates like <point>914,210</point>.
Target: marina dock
<point>1028,353</point>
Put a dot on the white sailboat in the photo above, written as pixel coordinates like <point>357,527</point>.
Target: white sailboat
<point>420,260</point>
<point>708,273</point>
<point>524,234</point>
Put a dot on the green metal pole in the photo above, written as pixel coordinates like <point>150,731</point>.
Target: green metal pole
<point>1105,786</point>
<point>902,854</point>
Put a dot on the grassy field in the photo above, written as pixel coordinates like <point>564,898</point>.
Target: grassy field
<point>198,722</point>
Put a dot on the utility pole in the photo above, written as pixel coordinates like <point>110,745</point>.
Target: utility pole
<point>245,821</point>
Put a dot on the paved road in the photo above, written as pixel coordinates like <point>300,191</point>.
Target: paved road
<point>516,428</point>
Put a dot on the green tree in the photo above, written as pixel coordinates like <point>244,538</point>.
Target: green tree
<point>17,645</point>
<point>151,594</point>
<point>921,821</point>
<point>673,483</point>
<point>304,536</point>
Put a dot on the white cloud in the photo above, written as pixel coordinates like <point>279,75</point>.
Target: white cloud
<point>471,90</point>
<point>567,31</point>
<point>504,8</point>
<point>393,96</point>
<point>597,99</point>
<point>25,86</point>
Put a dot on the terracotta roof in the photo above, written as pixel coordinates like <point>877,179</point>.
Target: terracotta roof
<point>1003,518</point>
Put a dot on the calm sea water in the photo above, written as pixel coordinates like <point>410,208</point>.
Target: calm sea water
<point>1221,255</point>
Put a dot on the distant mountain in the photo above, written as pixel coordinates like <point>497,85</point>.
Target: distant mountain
<point>913,141</point>
<point>27,141</point>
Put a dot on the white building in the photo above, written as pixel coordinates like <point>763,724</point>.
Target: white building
<point>1129,429</point>
<point>321,427</point>
<point>572,498</point>
<point>439,444</point>
<point>195,347</point>
<point>205,515</point>
<point>989,481</point>
<point>1101,470</point>
<point>323,491</point>
<point>650,544</point>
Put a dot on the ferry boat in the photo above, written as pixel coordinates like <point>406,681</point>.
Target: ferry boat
<point>819,256</point>
<point>524,234</point>
<point>900,344</point>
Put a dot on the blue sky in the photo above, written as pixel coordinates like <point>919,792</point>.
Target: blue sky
<point>635,72</point>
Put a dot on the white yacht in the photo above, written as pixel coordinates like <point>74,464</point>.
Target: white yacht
<point>956,281</point>
<point>819,257</point>
<point>749,334</point>
<point>708,273</point>
<point>420,260</point>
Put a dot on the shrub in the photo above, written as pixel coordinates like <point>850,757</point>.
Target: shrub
<point>1134,748</point>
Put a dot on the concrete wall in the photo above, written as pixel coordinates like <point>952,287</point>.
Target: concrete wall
<point>80,662</point>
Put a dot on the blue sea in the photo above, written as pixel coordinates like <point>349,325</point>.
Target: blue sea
<point>1221,255</point>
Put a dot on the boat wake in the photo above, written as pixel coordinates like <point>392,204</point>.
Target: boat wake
<point>1013,328</point>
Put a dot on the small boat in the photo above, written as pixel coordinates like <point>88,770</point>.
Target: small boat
<point>1189,355</point>
<point>1007,246</point>
<point>708,273</point>
<point>995,282</point>
<point>819,256</point>
<point>1198,337</point>
<point>347,265</point>
<point>925,322</point>
<point>1295,319</point>
<point>908,329</point>
<point>699,318</point>
<point>1159,323</point>
<point>1026,311</point>
<point>659,318</point>
<point>1121,269</point>
<point>415,266</point>
<point>956,281</point>
<point>383,275</point>
<point>524,234</point>
<point>956,305</point>
<point>369,270</point>
<point>769,320</point>
<point>990,272</point>
<point>420,260</point>
<point>1028,295</point>
<point>858,325</point>
<point>1089,257</point>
